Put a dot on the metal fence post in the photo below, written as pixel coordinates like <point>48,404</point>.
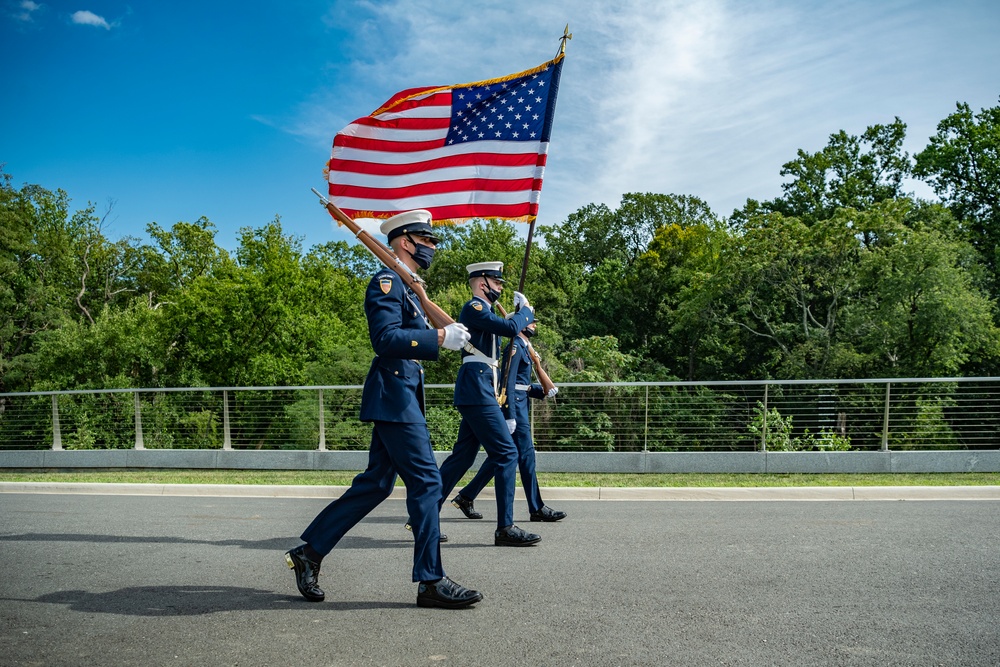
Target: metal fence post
<point>322,424</point>
<point>56,433</point>
<point>227,442</point>
<point>885,420</point>
<point>763,430</point>
<point>138,424</point>
<point>645,433</point>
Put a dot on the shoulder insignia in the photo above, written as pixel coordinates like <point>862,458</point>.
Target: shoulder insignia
<point>385,284</point>
<point>476,305</point>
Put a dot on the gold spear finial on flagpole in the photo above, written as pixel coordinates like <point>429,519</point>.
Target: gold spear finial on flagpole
<point>567,35</point>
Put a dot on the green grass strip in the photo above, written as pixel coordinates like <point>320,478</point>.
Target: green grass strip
<point>343,478</point>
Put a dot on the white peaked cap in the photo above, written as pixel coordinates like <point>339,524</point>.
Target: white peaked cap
<point>416,222</point>
<point>488,269</point>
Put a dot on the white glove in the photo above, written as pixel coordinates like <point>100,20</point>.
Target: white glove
<point>520,300</point>
<point>511,425</point>
<point>455,336</point>
<point>552,392</point>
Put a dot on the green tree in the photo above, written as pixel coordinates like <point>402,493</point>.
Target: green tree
<point>334,329</point>
<point>598,359</point>
<point>918,312</point>
<point>38,274</point>
<point>816,301</point>
<point>123,348</point>
<point>962,165</point>
<point>601,247</point>
<point>242,324</point>
<point>659,324</point>
<point>849,172</point>
<point>783,283</point>
<point>595,233</point>
<point>480,241</point>
<point>183,254</point>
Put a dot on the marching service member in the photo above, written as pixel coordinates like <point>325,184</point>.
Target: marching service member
<point>393,400</point>
<point>476,398</point>
<point>517,412</point>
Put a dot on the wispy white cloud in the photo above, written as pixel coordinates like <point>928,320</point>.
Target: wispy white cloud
<point>628,76</point>
<point>656,54</point>
<point>702,97</point>
<point>85,17</point>
<point>26,11</point>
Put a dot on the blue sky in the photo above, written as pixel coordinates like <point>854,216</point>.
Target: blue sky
<point>176,110</point>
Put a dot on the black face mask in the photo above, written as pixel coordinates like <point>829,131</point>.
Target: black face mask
<point>529,332</point>
<point>422,254</point>
<point>492,294</point>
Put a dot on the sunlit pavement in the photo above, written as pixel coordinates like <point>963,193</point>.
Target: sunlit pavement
<point>120,579</point>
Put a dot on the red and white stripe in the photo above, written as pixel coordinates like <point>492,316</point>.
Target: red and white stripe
<point>396,160</point>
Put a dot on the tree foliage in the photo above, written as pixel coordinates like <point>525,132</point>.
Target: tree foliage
<point>844,275</point>
<point>962,164</point>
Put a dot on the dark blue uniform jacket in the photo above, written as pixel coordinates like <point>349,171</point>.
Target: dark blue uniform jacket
<point>400,334</point>
<point>516,405</point>
<point>474,385</point>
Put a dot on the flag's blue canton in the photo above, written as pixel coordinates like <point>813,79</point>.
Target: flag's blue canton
<point>510,111</point>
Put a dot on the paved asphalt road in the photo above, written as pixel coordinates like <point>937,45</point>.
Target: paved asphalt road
<point>136,580</point>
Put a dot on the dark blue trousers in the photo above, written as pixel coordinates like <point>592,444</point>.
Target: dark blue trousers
<point>403,449</point>
<point>483,424</point>
<point>525,463</point>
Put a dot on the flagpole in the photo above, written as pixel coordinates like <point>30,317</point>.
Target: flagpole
<point>566,36</point>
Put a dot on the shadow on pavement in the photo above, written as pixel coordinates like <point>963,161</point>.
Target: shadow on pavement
<point>195,601</point>
<point>270,544</point>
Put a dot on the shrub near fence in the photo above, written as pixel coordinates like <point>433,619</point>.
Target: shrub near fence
<point>823,415</point>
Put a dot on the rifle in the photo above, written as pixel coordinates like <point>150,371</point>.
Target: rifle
<point>543,377</point>
<point>439,319</point>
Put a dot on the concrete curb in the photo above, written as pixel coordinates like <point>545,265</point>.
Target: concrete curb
<point>784,493</point>
<point>620,462</point>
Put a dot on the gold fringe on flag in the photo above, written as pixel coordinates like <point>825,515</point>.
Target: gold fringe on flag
<point>450,222</point>
<point>485,82</point>
<point>446,222</point>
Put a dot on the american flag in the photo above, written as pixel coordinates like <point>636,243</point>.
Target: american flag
<point>473,150</point>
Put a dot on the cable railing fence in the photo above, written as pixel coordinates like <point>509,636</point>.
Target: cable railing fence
<point>793,415</point>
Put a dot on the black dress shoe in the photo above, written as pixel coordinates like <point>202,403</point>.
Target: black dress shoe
<point>306,574</point>
<point>446,593</point>
<point>547,514</point>
<point>442,537</point>
<point>512,536</point>
<point>464,504</point>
